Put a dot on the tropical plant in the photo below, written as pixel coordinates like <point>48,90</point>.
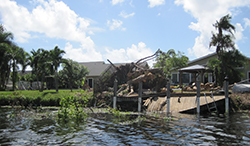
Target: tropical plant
<point>5,39</point>
<point>16,56</point>
<point>72,108</point>
<point>56,59</point>
<point>235,61</point>
<point>223,41</point>
<point>72,73</point>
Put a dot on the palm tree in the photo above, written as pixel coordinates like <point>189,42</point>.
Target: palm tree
<point>5,39</point>
<point>44,66</point>
<point>223,42</point>
<point>73,73</point>
<point>56,59</point>
<point>16,55</point>
<point>34,60</point>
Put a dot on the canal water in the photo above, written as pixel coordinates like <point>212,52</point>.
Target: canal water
<point>29,128</point>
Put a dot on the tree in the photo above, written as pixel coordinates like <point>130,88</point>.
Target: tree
<point>170,60</point>
<point>223,43</point>
<point>5,39</point>
<point>56,59</point>
<point>17,56</point>
<point>34,61</point>
<point>72,73</point>
<point>235,60</point>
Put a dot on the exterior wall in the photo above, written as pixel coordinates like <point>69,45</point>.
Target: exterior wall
<point>246,71</point>
<point>89,78</point>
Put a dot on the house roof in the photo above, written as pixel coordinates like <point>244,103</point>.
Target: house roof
<point>201,58</point>
<point>95,68</point>
<point>194,68</point>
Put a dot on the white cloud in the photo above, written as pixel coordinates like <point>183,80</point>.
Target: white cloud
<point>153,3</point>
<point>206,14</point>
<point>125,15</point>
<point>131,54</point>
<point>115,24</point>
<point>85,53</point>
<point>238,32</point>
<point>247,22</point>
<point>114,2</point>
<point>53,18</point>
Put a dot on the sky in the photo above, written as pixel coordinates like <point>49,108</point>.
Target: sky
<point>123,30</point>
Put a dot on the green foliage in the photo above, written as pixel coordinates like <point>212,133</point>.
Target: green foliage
<point>36,98</point>
<point>72,108</point>
<point>231,61</point>
<point>73,73</point>
<point>171,60</point>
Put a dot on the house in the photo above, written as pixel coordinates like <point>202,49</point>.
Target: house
<point>95,70</point>
<point>207,77</point>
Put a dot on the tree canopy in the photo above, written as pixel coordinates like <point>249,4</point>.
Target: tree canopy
<point>171,60</point>
<point>72,73</point>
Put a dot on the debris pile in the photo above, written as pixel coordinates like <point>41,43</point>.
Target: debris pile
<point>204,87</point>
<point>129,75</point>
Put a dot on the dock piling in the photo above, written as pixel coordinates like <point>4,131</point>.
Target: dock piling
<point>140,96</point>
<point>115,92</point>
<point>226,96</point>
<point>198,96</point>
<point>168,98</point>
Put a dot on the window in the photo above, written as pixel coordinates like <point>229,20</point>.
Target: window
<point>185,78</point>
<point>90,82</point>
<point>248,76</point>
<point>174,78</point>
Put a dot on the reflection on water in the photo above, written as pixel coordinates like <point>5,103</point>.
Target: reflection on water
<point>104,129</point>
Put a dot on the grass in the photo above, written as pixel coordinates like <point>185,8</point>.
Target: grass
<point>36,98</point>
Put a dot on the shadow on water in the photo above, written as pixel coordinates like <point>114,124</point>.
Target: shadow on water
<point>128,129</point>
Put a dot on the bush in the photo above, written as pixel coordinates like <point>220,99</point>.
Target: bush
<point>36,98</point>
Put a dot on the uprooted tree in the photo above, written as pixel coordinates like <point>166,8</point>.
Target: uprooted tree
<point>130,74</point>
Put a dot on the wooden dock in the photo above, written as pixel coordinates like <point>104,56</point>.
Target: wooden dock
<point>178,102</point>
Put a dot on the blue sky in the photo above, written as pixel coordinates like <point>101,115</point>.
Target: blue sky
<point>122,30</point>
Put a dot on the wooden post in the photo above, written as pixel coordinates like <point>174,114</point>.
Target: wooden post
<point>115,92</point>
<point>226,96</point>
<point>140,96</point>
<point>180,81</point>
<point>198,96</point>
<point>168,98</point>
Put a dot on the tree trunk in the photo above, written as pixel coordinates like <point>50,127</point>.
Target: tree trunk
<point>13,75</point>
<point>42,86</point>
<point>56,83</point>
<point>70,85</point>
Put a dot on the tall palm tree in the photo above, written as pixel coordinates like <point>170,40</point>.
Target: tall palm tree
<point>56,59</point>
<point>220,40</point>
<point>5,39</point>
<point>16,55</point>
<point>44,66</point>
<point>223,42</point>
<point>34,60</point>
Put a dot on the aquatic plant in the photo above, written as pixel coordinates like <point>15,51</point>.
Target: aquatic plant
<point>72,108</point>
